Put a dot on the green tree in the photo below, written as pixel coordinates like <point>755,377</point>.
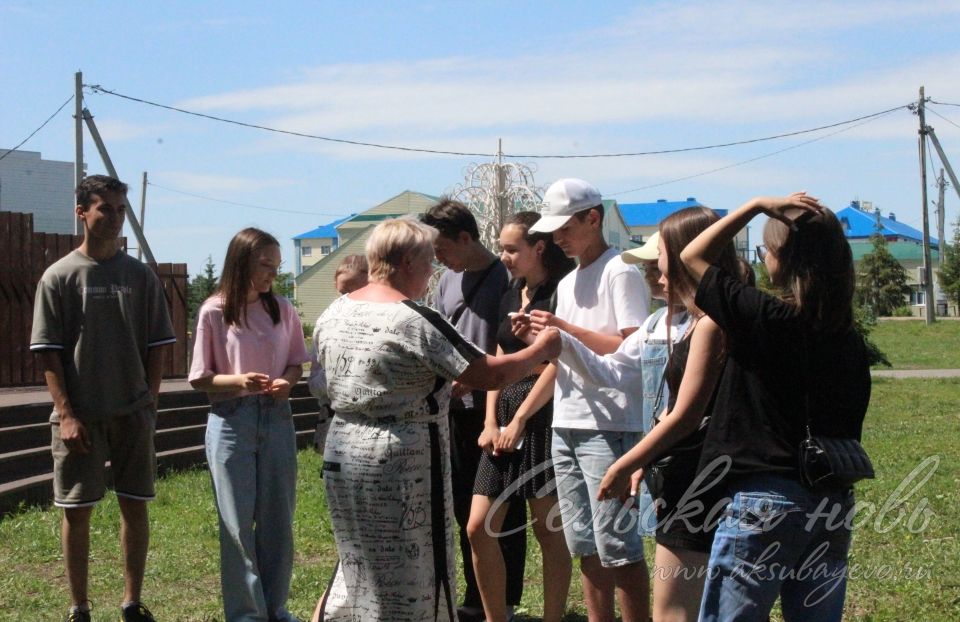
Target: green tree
<point>201,287</point>
<point>881,280</point>
<point>949,273</point>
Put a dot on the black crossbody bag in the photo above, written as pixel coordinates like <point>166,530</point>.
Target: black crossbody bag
<point>826,462</point>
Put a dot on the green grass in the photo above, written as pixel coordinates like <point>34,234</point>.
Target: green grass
<point>902,572</point>
<point>911,344</point>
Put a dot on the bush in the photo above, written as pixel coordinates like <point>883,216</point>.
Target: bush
<point>903,311</point>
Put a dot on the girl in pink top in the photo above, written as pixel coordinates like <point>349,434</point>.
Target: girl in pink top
<point>248,354</point>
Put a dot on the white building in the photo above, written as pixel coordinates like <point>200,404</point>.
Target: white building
<point>44,188</point>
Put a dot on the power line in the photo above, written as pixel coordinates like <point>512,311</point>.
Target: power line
<point>260,207</point>
<point>42,125</point>
<point>742,162</point>
<point>943,117</point>
<point>933,101</point>
<point>99,89</point>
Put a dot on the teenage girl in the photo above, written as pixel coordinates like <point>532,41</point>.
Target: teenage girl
<point>248,354</point>
<point>515,466</point>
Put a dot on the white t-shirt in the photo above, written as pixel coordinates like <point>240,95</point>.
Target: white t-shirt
<point>606,296</point>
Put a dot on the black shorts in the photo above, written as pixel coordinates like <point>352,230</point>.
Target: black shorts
<point>687,515</point>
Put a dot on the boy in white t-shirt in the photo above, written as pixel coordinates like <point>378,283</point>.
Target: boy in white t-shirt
<point>600,303</point>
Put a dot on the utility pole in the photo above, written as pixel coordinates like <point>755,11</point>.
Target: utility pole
<point>108,163</point>
<point>942,186</point>
<point>78,142</point>
<point>143,210</point>
<point>501,187</point>
<point>927,268</point>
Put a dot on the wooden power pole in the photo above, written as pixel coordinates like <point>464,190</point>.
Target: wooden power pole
<point>927,268</point>
<point>78,142</point>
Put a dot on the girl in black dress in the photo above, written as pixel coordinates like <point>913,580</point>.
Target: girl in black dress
<point>516,462</point>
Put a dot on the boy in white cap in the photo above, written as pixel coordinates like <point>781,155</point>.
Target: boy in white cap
<point>600,303</point>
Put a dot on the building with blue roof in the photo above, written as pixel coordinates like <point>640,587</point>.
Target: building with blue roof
<point>312,246</point>
<point>643,219</point>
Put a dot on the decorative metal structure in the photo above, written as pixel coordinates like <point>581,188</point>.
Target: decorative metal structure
<point>495,190</point>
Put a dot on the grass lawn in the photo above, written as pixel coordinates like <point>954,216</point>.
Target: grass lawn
<point>911,344</point>
<point>905,559</point>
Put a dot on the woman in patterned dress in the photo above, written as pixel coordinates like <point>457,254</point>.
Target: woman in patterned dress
<point>388,364</point>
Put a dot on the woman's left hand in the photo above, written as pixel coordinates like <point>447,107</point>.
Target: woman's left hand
<point>785,209</point>
<point>279,389</point>
<point>510,436</point>
<point>615,484</point>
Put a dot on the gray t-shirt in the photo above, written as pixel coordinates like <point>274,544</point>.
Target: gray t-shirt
<point>478,322</point>
<point>103,316</point>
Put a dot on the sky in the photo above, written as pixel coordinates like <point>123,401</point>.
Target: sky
<point>548,78</point>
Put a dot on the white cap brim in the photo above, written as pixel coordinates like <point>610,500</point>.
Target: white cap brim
<point>549,224</point>
<point>648,252</point>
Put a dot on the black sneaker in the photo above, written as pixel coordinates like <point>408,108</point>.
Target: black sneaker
<point>76,615</point>
<point>136,612</point>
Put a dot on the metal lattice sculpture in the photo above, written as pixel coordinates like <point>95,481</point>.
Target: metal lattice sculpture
<point>495,190</point>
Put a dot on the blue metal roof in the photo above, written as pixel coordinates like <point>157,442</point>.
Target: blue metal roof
<point>860,224</point>
<point>650,214</point>
<point>324,231</point>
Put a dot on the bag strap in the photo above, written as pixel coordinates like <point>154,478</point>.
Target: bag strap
<point>468,297</point>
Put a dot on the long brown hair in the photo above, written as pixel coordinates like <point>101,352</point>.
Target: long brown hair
<point>677,230</point>
<point>814,270</point>
<point>235,281</point>
<point>555,261</point>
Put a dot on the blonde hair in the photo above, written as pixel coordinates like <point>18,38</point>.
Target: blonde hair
<point>352,263</point>
<point>394,239</point>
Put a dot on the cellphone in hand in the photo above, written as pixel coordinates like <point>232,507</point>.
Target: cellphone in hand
<point>519,444</point>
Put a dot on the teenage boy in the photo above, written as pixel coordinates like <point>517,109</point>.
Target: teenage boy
<point>468,294</point>
<point>600,303</point>
<point>98,321</point>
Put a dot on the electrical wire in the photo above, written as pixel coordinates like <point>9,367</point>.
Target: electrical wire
<point>42,125</point>
<point>260,207</point>
<point>943,117</point>
<point>933,101</point>
<point>96,88</point>
<point>742,162</point>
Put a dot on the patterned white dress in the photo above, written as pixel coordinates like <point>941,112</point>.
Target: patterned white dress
<point>386,461</point>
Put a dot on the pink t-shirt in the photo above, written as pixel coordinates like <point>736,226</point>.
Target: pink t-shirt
<point>258,346</point>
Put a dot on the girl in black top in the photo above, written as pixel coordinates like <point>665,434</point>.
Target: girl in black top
<point>683,534</point>
<point>516,461</point>
<point>792,358</point>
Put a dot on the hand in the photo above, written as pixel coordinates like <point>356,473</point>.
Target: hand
<point>635,480</point>
<point>488,439</point>
<point>520,325</point>
<point>458,389</point>
<point>74,434</point>
<point>253,382</point>
<point>540,320</point>
<point>551,342</point>
<point>616,483</point>
<point>510,436</point>
<point>279,389</point>
<point>787,209</point>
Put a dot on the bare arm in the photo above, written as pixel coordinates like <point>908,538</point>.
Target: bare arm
<point>491,429</point>
<point>706,247</point>
<point>225,383</point>
<point>539,395</point>
<point>156,356</point>
<point>699,379</point>
<point>493,372</point>
<point>598,342</point>
<point>72,431</point>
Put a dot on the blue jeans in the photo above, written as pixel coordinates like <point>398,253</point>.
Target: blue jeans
<point>252,454</point>
<point>778,538</point>
<point>606,528</point>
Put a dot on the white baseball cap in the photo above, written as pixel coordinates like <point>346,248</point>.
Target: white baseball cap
<point>648,252</point>
<point>563,199</point>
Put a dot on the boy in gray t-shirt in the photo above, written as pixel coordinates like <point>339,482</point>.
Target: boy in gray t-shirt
<point>99,317</point>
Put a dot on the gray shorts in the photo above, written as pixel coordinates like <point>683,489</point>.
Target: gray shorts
<point>80,480</point>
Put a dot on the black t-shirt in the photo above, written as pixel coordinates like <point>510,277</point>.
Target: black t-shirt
<point>542,299</point>
<point>759,415</point>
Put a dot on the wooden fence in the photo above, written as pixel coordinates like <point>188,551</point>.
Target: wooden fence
<point>24,255</point>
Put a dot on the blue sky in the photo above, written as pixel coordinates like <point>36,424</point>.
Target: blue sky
<point>546,77</point>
